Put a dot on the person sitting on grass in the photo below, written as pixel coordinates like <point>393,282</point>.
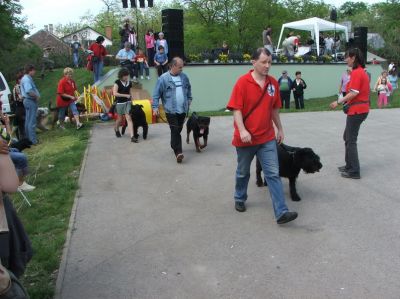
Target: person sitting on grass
<point>122,91</point>
<point>66,98</point>
<point>19,159</point>
<point>142,64</point>
<point>161,61</point>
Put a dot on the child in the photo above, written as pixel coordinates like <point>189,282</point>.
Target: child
<point>298,87</point>
<point>142,63</point>
<point>383,91</point>
<point>161,61</point>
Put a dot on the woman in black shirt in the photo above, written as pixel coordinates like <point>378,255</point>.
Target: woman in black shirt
<point>122,91</point>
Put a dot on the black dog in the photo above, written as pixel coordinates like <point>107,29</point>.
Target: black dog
<point>200,127</point>
<point>21,144</point>
<point>139,120</point>
<point>291,161</point>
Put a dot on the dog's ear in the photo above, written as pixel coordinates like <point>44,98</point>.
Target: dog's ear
<point>142,106</point>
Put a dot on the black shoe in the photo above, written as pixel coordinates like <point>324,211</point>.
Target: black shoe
<point>349,175</point>
<point>134,140</point>
<point>179,158</point>
<point>123,130</point>
<point>342,168</point>
<point>240,206</point>
<point>118,134</point>
<point>287,217</point>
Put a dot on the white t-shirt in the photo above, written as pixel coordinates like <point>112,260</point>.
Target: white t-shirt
<point>180,99</point>
<point>329,43</point>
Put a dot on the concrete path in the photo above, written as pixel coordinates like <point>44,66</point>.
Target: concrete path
<point>148,228</point>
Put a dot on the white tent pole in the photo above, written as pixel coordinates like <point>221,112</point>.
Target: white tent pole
<point>280,37</point>
<point>316,29</point>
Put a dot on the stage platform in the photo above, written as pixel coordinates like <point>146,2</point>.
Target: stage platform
<point>212,83</point>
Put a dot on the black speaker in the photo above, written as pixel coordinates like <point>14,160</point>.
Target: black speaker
<point>150,3</point>
<point>172,26</point>
<point>124,3</point>
<point>333,15</point>
<point>361,40</point>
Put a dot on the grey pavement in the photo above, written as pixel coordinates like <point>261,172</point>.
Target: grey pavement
<point>148,228</point>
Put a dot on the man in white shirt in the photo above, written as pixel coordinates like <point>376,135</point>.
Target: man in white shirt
<point>328,45</point>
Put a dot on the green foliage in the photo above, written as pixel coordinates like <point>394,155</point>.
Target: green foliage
<point>351,8</point>
<point>24,52</point>
<point>12,26</point>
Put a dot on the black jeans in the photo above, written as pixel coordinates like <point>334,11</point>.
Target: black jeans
<point>176,122</point>
<point>161,69</point>
<point>299,100</point>
<point>132,67</point>
<point>285,98</point>
<point>353,123</point>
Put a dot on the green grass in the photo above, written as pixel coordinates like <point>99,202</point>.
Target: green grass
<point>48,86</point>
<point>318,104</point>
<point>47,220</point>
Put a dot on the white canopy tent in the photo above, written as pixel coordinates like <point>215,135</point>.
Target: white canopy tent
<point>314,25</point>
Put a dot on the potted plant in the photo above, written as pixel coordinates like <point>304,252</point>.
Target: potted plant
<point>299,59</point>
<point>283,58</point>
<point>194,58</point>
<point>327,58</point>
<point>222,58</point>
<point>313,58</point>
<point>246,57</point>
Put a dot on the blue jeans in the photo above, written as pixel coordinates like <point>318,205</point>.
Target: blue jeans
<point>98,70</point>
<point>62,110</point>
<point>20,162</point>
<point>142,67</point>
<point>268,156</point>
<point>31,108</point>
<point>75,57</point>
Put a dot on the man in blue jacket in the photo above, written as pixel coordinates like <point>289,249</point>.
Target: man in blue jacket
<point>175,92</point>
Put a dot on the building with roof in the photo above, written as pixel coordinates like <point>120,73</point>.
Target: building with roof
<point>87,35</point>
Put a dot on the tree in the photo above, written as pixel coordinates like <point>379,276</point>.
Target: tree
<point>12,25</point>
<point>350,8</point>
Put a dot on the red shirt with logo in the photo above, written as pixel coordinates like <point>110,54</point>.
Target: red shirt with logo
<point>245,95</point>
<point>359,83</point>
<point>67,86</point>
<point>98,50</point>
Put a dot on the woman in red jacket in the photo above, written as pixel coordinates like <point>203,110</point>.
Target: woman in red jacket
<point>99,51</point>
<point>66,98</point>
<point>356,106</point>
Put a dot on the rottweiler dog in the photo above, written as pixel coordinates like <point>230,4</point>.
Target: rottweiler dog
<point>200,127</point>
<point>139,120</point>
<point>291,161</point>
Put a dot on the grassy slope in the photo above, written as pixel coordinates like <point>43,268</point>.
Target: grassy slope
<point>47,220</point>
<point>48,86</point>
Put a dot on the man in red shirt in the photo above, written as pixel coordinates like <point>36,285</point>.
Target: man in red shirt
<point>255,102</point>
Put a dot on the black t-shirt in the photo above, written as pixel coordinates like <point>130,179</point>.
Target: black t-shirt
<point>123,89</point>
<point>75,46</point>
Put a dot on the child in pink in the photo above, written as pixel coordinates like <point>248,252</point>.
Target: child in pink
<point>383,89</point>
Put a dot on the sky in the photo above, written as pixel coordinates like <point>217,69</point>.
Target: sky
<point>44,12</point>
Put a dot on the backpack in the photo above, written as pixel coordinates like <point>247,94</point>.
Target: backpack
<point>10,286</point>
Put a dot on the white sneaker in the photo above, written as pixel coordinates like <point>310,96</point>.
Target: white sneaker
<point>148,77</point>
<point>61,127</point>
<point>78,126</point>
<point>141,78</point>
<point>26,187</point>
